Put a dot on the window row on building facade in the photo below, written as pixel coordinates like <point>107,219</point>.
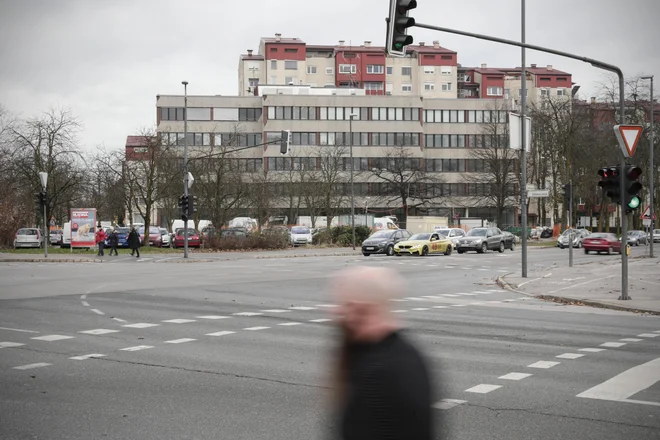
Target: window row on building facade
<point>248,114</point>
<point>419,190</point>
<point>212,139</point>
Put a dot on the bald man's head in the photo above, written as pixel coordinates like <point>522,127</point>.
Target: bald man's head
<point>364,295</point>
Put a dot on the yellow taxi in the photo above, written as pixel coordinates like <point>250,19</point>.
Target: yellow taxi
<point>424,244</point>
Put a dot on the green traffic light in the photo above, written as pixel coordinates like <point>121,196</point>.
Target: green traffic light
<point>634,203</point>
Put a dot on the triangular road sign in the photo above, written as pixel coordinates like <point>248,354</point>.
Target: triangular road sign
<point>646,215</point>
<point>628,137</point>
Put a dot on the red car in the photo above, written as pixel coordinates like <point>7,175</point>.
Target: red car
<point>193,238</point>
<point>601,242</point>
<point>155,238</point>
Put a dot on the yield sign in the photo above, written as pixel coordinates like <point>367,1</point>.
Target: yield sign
<point>628,137</point>
<point>647,214</point>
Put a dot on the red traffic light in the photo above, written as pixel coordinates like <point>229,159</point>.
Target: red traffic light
<point>633,172</point>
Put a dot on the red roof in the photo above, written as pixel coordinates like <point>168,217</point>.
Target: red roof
<point>137,141</point>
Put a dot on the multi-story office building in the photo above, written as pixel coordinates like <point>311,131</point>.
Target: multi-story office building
<point>437,136</point>
<point>429,71</point>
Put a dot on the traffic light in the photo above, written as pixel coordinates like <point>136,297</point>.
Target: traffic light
<point>285,141</point>
<point>568,196</point>
<point>38,202</point>
<point>632,202</point>
<point>397,26</point>
<point>192,209</point>
<point>183,206</point>
<point>611,183</point>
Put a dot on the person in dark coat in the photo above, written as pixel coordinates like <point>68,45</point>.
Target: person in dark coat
<point>134,242</point>
<point>383,386</point>
<point>113,241</point>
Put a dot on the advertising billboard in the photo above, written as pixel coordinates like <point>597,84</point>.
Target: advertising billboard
<point>83,227</point>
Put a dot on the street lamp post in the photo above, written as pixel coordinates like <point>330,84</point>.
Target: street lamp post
<point>44,181</point>
<point>185,165</point>
<point>651,171</point>
<point>523,149</point>
<point>350,129</point>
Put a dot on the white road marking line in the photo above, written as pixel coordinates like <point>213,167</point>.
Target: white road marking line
<point>613,344</point>
<point>515,376</point>
<point>399,311</point>
<point>503,270</point>
<point>212,317</point>
<point>256,328</point>
<point>290,323</point>
<point>459,305</point>
<point>179,321</point>
<point>140,325</point>
<point>31,366</point>
<point>99,331</point>
<point>630,340</point>
<point>419,309</point>
<point>648,335</point>
<point>483,388</point>
<point>569,356</point>
<point>493,290</point>
<point>276,311</point>
<point>431,296</point>
<point>327,305</point>
<point>320,320</point>
<point>302,308</point>
<point>10,344</point>
<point>630,382</point>
<point>414,298</point>
<point>477,303</point>
<point>180,341</point>
<point>656,331</point>
<point>592,350</point>
<point>222,333</point>
<point>450,295</point>
<point>137,348</point>
<point>51,338</point>
<point>119,320</point>
<point>399,300</point>
<point>440,307</point>
<point>83,296</point>
<point>247,314</point>
<point>86,356</point>
<point>18,330</point>
<point>467,294</point>
<point>431,265</point>
<point>446,404</point>
<point>97,311</point>
<point>482,292</point>
<point>85,303</point>
<point>543,364</point>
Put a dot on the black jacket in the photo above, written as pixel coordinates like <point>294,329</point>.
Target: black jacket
<point>389,393</point>
<point>133,240</point>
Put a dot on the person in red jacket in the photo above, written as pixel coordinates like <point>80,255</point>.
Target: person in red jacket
<point>100,240</point>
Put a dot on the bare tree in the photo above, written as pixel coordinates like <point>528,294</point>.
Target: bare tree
<point>327,178</point>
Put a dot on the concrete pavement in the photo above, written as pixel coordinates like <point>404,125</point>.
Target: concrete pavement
<point>241,349</point>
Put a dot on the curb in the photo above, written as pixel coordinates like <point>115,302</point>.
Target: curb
<point>44,260</point>
<point>569,300</point>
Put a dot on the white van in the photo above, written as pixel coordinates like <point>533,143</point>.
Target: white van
<point>66,235</point>
<point>386,223</point>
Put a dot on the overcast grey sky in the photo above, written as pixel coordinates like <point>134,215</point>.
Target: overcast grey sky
<point>107,60</point>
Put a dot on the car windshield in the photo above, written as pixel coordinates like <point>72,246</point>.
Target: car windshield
<point>299,230</point>
<point>420,237</point>
<point>476,233</point>
<point>190,232</point>
<point>121,230</point>
<point>27,232</point>
<point>444,232</point>
<point>382,234</point>
<point>597,235</point>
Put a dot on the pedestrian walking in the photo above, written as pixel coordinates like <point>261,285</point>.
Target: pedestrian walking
<point>134,242</point>
<point>113,241</point>
<point>100,240</point>
<point>382,383</point>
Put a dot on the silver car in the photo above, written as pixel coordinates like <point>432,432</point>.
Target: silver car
<point>578,236</point>
<point>28,237</point>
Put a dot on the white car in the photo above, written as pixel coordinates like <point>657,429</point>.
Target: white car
<point>165,237</point>
<point>300,236</point>
<point>28,237</point>
<point>454,234</point>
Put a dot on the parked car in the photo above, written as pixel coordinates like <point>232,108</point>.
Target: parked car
<point>155,239</point>
<point>601,242</point>
<point>382,242</point>
<point>635,238</point>
<point>300,236</point>
<point>578,237</point>
<point>656,236</point>
<point>165,238</point>
<point>56,237</point>
<point>424,244</point>
<point>481,240</point>
<point>28,237</point>
<point>454,234</point>
<point>193,238</point>
<point>237,233</point>
<point>122,237</point>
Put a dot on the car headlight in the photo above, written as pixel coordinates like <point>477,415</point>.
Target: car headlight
<point>477,241</point>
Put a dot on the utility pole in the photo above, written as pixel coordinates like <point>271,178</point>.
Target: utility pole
<point>523,152</point>
<point>44,198</point>
<point>185,165</point>
<point>651,170</point>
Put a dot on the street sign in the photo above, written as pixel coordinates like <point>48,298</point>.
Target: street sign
<point>515,133</point>
<point>646,215</point>
<point>628,137</point>
<point>539,193</point>
<point>646,222</point>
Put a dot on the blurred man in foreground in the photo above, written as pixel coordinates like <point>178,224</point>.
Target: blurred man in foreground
<point>383,387</point>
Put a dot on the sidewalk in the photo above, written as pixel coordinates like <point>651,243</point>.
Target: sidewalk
<point>594,284</point>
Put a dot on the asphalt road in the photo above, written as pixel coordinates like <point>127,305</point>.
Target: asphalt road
<point>241,350</point>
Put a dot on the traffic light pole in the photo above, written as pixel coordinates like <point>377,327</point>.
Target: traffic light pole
<point>593,62</point>
<point>185,165</point>
<point>46,234</point>
<point>570,225</point>
<point>624,231</point>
